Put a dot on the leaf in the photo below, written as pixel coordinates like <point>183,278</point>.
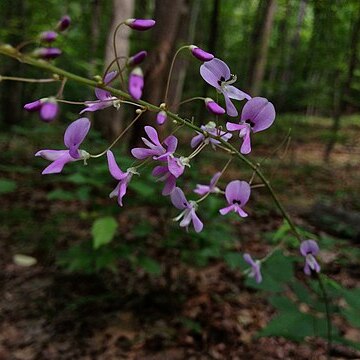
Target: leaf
<point>59,194</point>
<point>7,186</point>
<point>149,265</point>
<point>103,231</point>
<point>234,260</point>
<point>283,304</point>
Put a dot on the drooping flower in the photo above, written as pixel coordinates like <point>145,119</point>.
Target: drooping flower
<point>105,99</point>
<point>257,115</point>
<point>211,188</point>
<point>237,194</point>
<point>136,83</point>
<point>255,271</point>
<point>140,24</point>
<point>213,107</point>
<point>47,53</point>
<point>64,23</point>
<point>200,54</point>
<point>309,249</point>
<point>163,174</point>
<point>48,36</point>
<point>123,177</point>
<point>161,117</point>
<point>47,107</point>
<point>211,129</point>
<point>137,59</point>
<point>188,208</point>
<point>216,73</point>
<point>73,137</point>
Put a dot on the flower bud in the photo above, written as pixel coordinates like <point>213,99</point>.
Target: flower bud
<point>64,23</point>
<point>48,36</point>
<point>137,58</point>
<point>49,110</point>
<point>161,117</point>
<point>33,106</point>
<point>213,107</point>
<point>136,83</point>
<point>140,24</point>
<point>47,53</point>
<point>200,54</point>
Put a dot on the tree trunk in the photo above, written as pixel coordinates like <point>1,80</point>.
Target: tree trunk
<point>261,50</point>
<point>95,33</point>
<point>110,119</point>
<point>167,16</point>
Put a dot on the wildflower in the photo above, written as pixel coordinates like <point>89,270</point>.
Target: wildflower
<point>47,53</point>
<point>136,83</point>
<point>309,249</point>
<point>213,107</point>
<point>123,177</point>
<point>64,23</point>
<point>163,174</point>
<point>211,188</point>
<point>255,271</point>
<point>140,24</point>
<point>105,99</point>
<point>137,59</point>
<point>48,36</point>
<point>200,54</point>
<point>257,115</point>
<point>211,129</point>
<point>161,117</point>
<point>237,194</point>
<point>73,137</point>
<point>188,214</point>
<point>47,107</point>
<point>216,73</point>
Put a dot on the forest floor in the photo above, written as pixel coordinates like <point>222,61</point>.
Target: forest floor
<point>187,311</point>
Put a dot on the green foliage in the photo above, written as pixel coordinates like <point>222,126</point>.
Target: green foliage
<point>103,231</point>
<point>7,186</point>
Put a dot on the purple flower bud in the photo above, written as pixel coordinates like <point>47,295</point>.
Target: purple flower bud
<point>64,23</point>
<point>33,106</point>
<point>48,36</point>
<point>140,24</point>
<point>136,83</point>
<point>161,117</point>
<point>200,54</point>
<point>213,107</point>
<point>49,110</point>
<point>137,58</point>
<point>47,53</point>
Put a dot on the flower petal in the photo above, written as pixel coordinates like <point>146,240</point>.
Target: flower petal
<point>178,199</point>
<point>230,107</point>
<point>238,191</point>
<point>214,71</point>
<point>56,166</point>
<point>75,135</point>
<point>309,247</point>
<point>198,225</point>
<point>235,93</point>
<point>114,169</point>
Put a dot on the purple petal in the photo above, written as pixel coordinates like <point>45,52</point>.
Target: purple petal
<point>141,153</point>
<point>200,54</point>
<point>237,191</point>
<point>247,257</point>
<point>56,166</point>
<point>198,225</point>
<point>137,59</point>
<point>234,127</point>
<point>202,189</point>
<point>246,145</point>
<point>178,199</point>
<point>309,247</point>
<point>140,24</point>
<point>114,169</point>
<point>214,71</point>
<point>48,36</point>
<point>161,117</point>
<point>196,140</point>
<point>215,179</point>
<point>75,135</point>
<point>171,143</point>
<point>115,192</point>
<point>136,83</point>
<point>213,107</point>
<point>227,209</point>
<point>159,171</point>
<point>170,184</point>
<point>240,211</point>
<point>95,106</point>
<point>47,53</point>
<point>122,191</point>
<point>33,106</point>
<point>64,23</point>
<point>175,166</point>
<point>230,107</point>
<point>51,155</point>
<point>235,93</point>
<point>48,111</point>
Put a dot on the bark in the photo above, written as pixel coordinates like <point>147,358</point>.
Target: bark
<point>261,52</point>
<point>167,16</point>
<point>95,33</point>
<point>110,119</point>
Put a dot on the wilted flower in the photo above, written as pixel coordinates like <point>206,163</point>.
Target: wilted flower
<point>257,115</point>
<point>237,194</point>
<point>47,107</point>
<point>188,214</point>
<point>123,177</point>
<point>200,54</point>
<point>211,188</point>
<point>210,128</point>
<point>140,24</point>
<point>216,73</point>
<point>255,271</point>
<point>309,249</point>
<point>136,83</point>
<point>73,137</point>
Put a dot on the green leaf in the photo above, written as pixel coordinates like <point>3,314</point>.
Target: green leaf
<point>59,194</point>
<point>7,186</point>
<point>235,260</point>
<point>103,231</point>
<point>283,304</point>
<point>149,265</point>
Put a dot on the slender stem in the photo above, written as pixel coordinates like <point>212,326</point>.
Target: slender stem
<point>191,99</point>
<point>61,89</point>
<point>116,54</point>
<point>171,70</point>
<point>14,78</point>
<point>112,62</point>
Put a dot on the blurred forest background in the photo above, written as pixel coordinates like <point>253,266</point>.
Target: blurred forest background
<point>146,289</point>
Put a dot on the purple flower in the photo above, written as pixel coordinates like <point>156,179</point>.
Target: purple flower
<point>257,115</point>
<point>200,54</point>
<point>123,177</point>
<point>73,137</point>
<point>105,99</point>
<point>137,59</point>
<point>309,249</point>
<point>48,36</point>
<point>64,23</point>
<point>237,194</point>
<point>216,73</point>
<point>161,117</point>
<point>48,108</point>
<point>211,129</point>
<point>47,53</point>
<point>188,214</point>
<point>163,174</point>
<point>140,24</point>
<point>136,83</point>
<point>211,188</point>
<point>213,107</point>
<point>255,271</point>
